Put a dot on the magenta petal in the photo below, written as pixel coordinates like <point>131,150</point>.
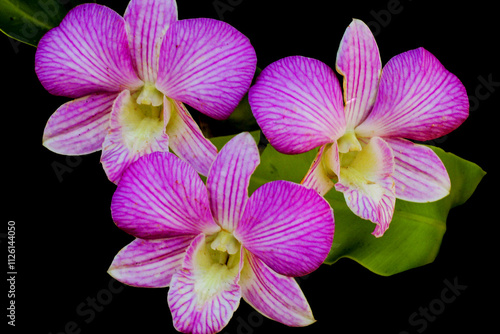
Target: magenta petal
<point>297,102</point>
<point>276,296</point>
<point>229,177</point>
<point>161,196</point>
<point>358,60</point>
<point>206,64</point>
<point>420,176</point>
<point>288,226</point>
<point>79,126</point>
<point>186,138</point>
<point>203,295</point>
<point>87,53</point>
<point>150,263</point>
<point>147,21</point>
<point>417,99</point>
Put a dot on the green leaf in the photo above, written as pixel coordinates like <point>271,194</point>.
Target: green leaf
<point>415,233</point>
<point>28,20</point>
<point>416,230</point>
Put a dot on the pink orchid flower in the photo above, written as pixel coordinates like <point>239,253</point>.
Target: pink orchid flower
<point>130,77</point>
<point>297,102</point>
<point>212,244</point>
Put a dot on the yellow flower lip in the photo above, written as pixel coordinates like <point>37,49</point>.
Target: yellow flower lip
<point>141,123</point>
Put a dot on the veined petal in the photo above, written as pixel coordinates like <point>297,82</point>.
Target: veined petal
<point>87,53</point>
<point>229,177</point>
<point>134,132</point>
<point>161,196</point>
<point>417,99</point>
<point>203,295</point>
<point>358,60</point>
<point>375,203</point>
<point>79,126</point>
<point>288,226</point>
<point>317,177</point>
<point>368,185</point>
<point>206,64</point>
<point>297,102</point>
<point>147,21</point>
<point>420,176</point>
<point>275,296</point>
<point>150,263</point>
<point>186,138</point>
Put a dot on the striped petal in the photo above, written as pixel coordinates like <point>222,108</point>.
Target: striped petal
<point>275,296</point>
<point>358,60</point>
<point>161,196</point>
<point>150,263</point>
<point>135,130</point>
<point>287,226</point>
<point>186,138</point>
<point>420,176</point>
<point>87,53</point>
<point>297,103</point>
<point>206,64</point>
<point>368,185</point>
<point>204,294</point>
<point>417,99</point>
<point>79,127</point>
<point>317,176</point>
<point>229,177</point>
<point>147,21</point>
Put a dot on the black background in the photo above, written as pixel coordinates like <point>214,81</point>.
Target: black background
<point>65,238</point>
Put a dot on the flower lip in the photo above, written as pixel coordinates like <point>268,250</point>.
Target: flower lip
<point>141,123</point>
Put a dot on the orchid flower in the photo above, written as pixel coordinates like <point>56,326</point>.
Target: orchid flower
<point>363,152</point>
<point>212,244</point>
<point>130,77</point>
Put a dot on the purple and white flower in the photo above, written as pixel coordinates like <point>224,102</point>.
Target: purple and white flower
<point>212,244</point>
<point>363,152</point>
<point>130,77</point>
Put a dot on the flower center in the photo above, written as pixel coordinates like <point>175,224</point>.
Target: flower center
<point>141,122</point>
<point>349,148</point>
<point>224,245</point>
<point>150,96</point>
<point>217,264</point>
<point>348,143</point>
<point>358,165</point>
